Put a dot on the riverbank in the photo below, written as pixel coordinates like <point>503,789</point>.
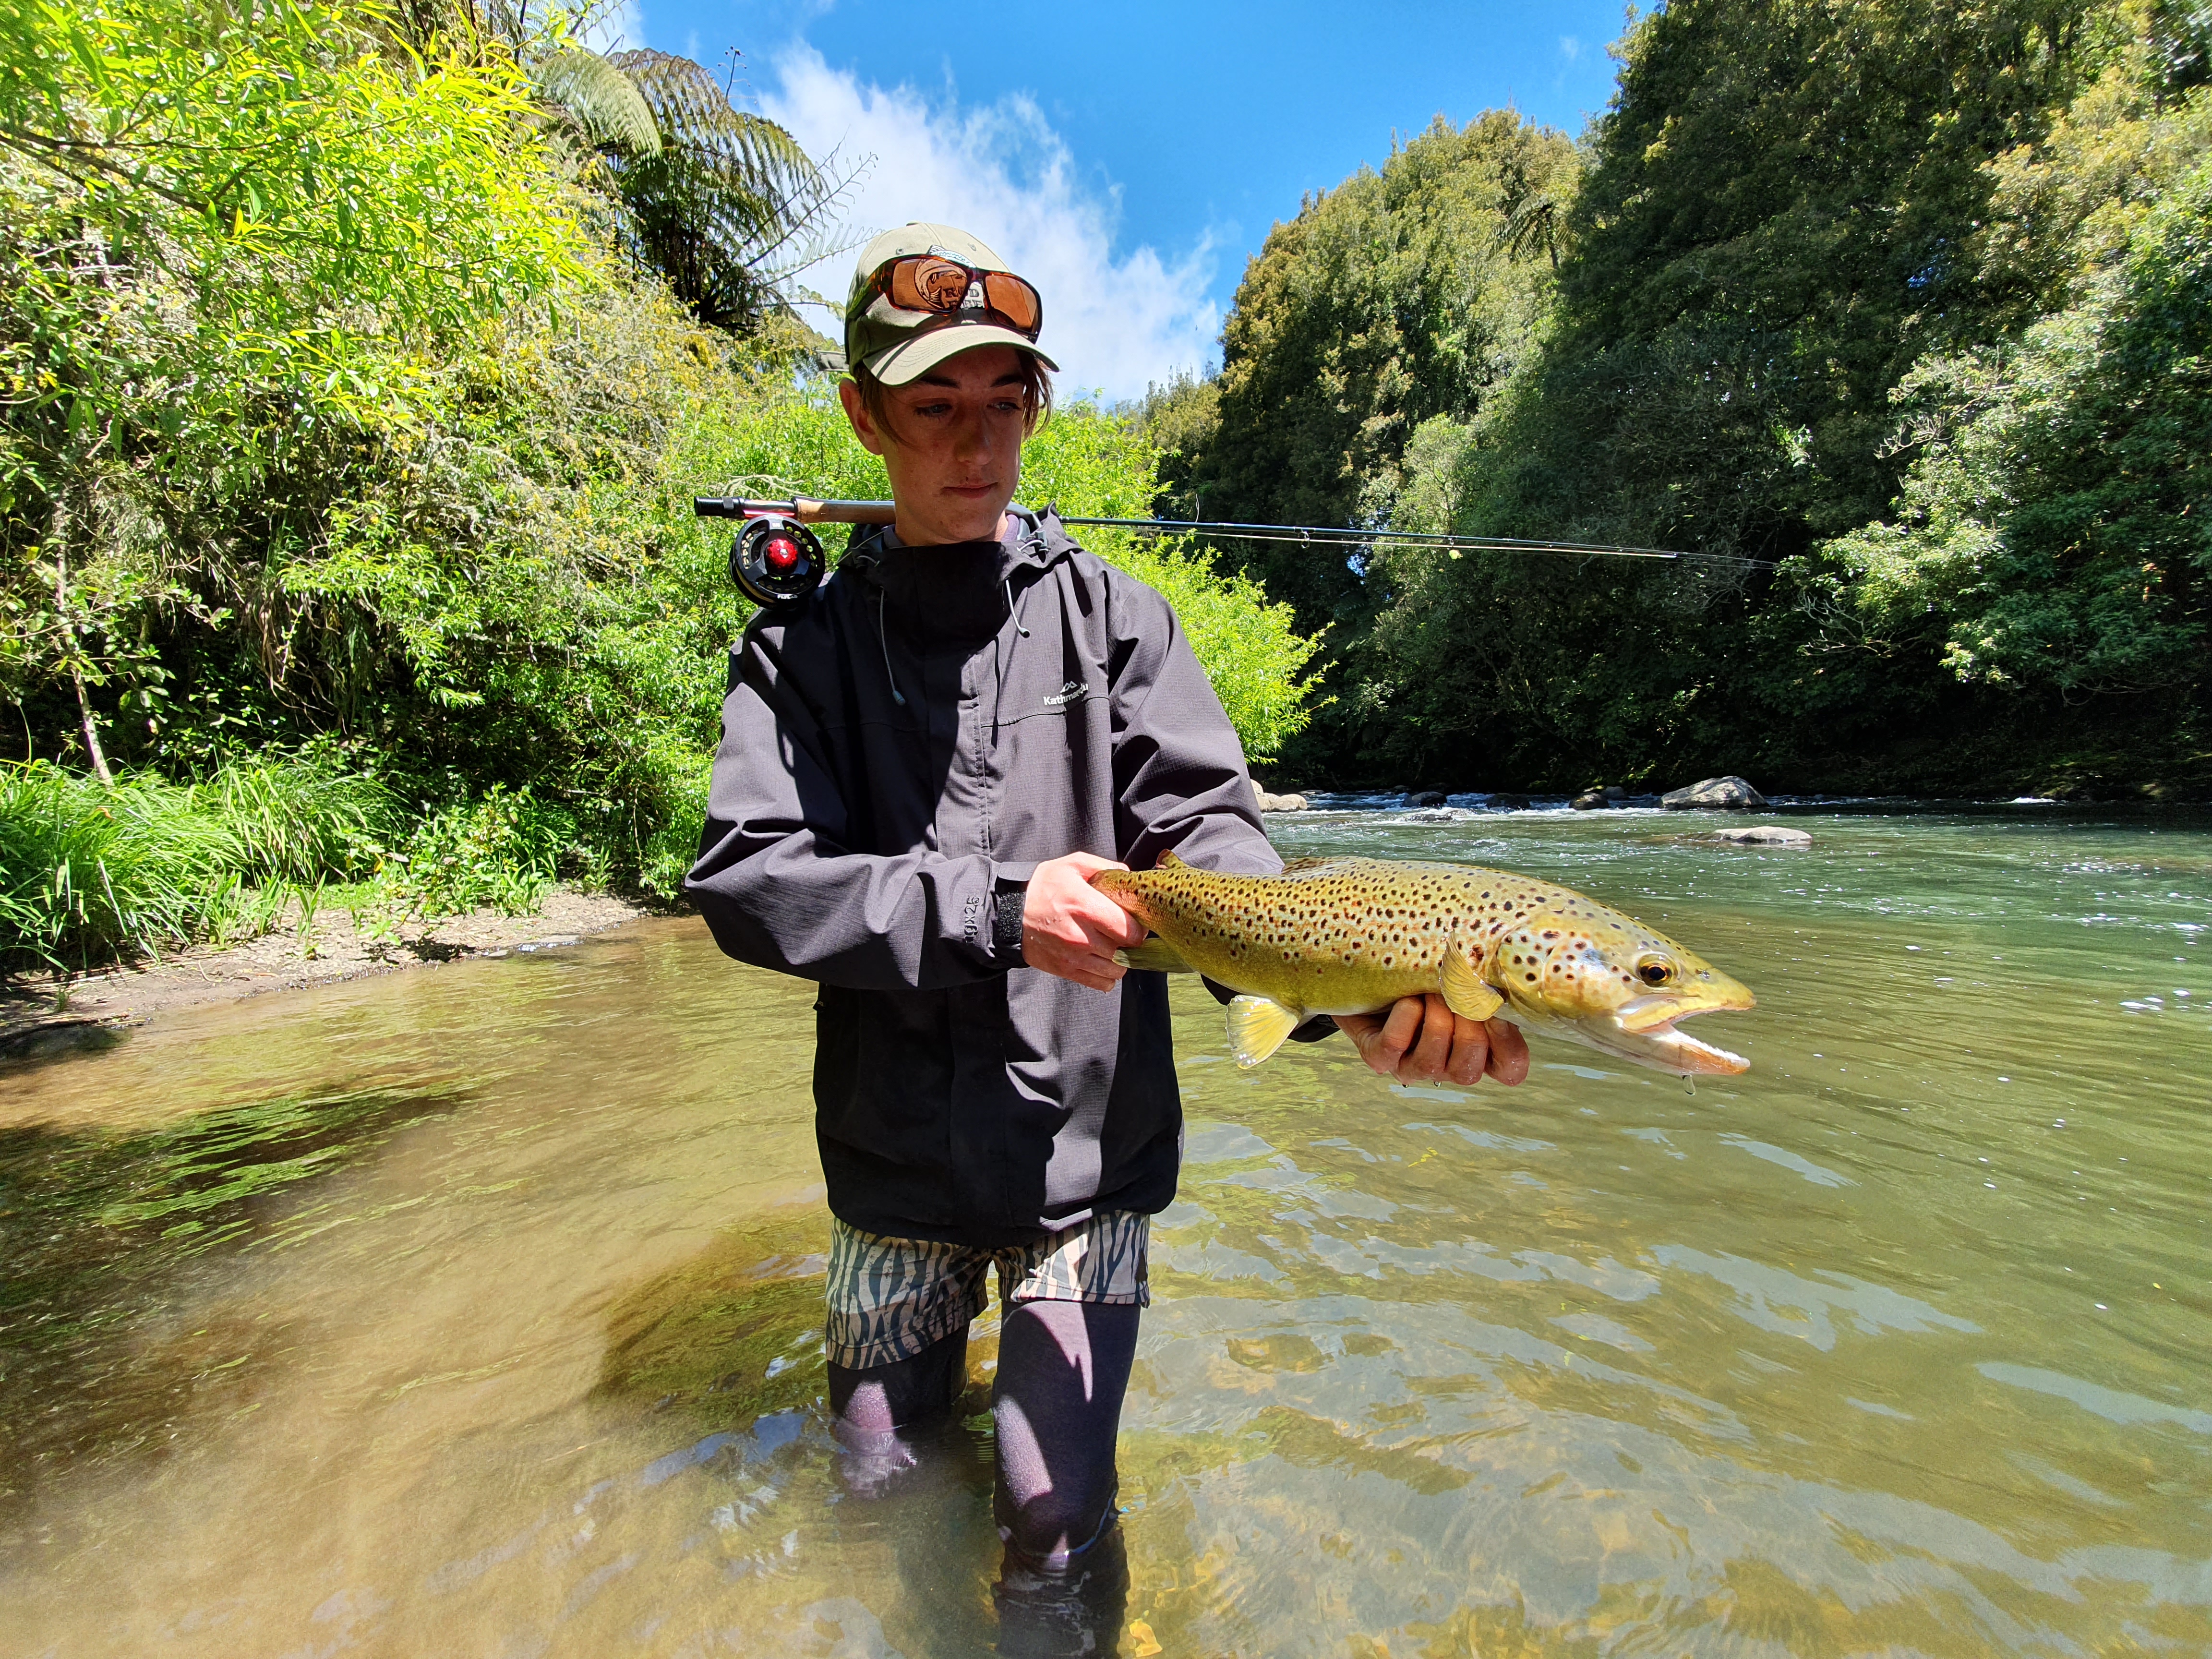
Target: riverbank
<point>42,1011</point>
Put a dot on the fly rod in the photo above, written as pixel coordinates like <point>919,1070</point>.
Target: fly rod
<point>774,558</point>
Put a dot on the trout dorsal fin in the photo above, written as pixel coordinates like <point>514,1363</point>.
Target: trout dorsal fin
<point>1257,1027</point>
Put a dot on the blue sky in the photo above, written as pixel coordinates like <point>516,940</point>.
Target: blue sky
<point>1130,157</point>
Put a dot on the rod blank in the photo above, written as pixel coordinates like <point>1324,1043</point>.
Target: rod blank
<point>807,510</point>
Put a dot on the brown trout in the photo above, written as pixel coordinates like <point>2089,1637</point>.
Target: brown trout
<point>1350,936</point>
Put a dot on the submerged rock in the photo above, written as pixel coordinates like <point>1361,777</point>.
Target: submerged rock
<point>1730,792</point>
<point>1766,834</point>
<point>1425,797</point>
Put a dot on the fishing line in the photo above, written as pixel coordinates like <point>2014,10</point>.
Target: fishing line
<point>1326,535</point>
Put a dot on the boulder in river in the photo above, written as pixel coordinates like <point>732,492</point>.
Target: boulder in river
<point>1713,792</point>
<point>1269,803</point>
<point>1766,834</point>
<point>1425,797</point>
<point>1613,791</point>
<point>1510,802</point>
<point>1590,799</point>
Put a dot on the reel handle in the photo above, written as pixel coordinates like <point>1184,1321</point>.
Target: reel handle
<point>802,509</point>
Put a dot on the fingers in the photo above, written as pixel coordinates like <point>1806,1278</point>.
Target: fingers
<point>1400,1027</point>
<point>1384,1038</point>
<point>1432,1051</point>
<point>1420,1040</point>
<point>1070,928</point>
<point>1470,1051</point>
<point>1509,1052</point>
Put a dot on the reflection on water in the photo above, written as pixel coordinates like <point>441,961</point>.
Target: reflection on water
<point>477,1310</point>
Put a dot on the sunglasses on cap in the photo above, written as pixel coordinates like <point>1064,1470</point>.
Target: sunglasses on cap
<point>936,286</point>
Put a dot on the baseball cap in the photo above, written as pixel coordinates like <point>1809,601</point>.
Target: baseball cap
<point>897,346</point>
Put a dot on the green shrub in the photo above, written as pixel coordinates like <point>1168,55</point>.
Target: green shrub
<point>503,850</point>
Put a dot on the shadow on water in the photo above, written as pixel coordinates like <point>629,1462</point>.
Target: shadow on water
<point>103,1235</point>
<point>734,1333</point>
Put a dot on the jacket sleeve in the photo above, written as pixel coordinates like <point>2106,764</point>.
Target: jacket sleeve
<point>780,889</point>
<point>1180,780</point>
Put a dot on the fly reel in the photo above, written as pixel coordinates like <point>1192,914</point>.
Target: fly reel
<point>776,560</point>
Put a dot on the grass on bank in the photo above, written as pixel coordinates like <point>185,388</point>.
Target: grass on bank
<point>90,874</point>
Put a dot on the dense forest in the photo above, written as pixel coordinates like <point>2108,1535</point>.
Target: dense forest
<point>361,360</point>
<point>1899,307</point>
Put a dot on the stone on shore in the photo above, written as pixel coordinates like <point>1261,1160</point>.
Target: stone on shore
<point>1724,793</point>
<point>1766,834</point>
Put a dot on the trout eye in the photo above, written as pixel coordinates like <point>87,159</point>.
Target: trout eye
<point>1654,970</point>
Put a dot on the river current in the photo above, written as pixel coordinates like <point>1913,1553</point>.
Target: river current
<point>477,1310</point>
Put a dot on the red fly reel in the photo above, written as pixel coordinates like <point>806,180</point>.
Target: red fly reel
<point>776,560</point>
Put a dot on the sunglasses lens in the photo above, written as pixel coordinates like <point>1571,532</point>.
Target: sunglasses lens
<point>925,283</point>
<point>1014,299</point>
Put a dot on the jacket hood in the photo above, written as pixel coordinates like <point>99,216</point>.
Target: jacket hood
<point>964,589</point>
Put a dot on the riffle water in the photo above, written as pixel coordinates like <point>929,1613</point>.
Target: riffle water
<point>476,1311</point>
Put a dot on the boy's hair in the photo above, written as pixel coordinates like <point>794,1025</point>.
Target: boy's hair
<point>1037,397</point>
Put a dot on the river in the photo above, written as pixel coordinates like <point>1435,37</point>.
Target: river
<point>475,1311</point>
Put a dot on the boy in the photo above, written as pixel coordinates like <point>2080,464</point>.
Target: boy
<point>922,766</point>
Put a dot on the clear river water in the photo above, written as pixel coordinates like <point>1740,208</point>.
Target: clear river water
<point>475,1311</point>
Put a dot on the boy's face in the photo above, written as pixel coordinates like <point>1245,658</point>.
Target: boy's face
<point>956,453</point>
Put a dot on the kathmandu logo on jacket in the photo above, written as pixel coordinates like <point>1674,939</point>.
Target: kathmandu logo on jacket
<point>1074,692</point>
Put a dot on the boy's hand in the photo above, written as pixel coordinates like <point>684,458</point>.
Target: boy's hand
<point>1071,929</point>
<point>1420,1040</point>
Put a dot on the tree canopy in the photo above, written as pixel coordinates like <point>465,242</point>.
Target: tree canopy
<point>1896,300</point>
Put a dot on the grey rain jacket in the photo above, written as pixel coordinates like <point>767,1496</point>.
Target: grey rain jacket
<point>899,751</point>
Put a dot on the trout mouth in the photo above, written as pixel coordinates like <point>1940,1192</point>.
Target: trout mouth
<point>1678,1051</point>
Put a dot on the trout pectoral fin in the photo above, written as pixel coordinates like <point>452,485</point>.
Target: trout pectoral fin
<point>1154,955</point>
<point>1464,992</point>
<point>1257,1026</point>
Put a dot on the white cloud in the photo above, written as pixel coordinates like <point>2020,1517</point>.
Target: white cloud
<point>612,25</point>
<point>1002,173</point>
<point>1570,48</point>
